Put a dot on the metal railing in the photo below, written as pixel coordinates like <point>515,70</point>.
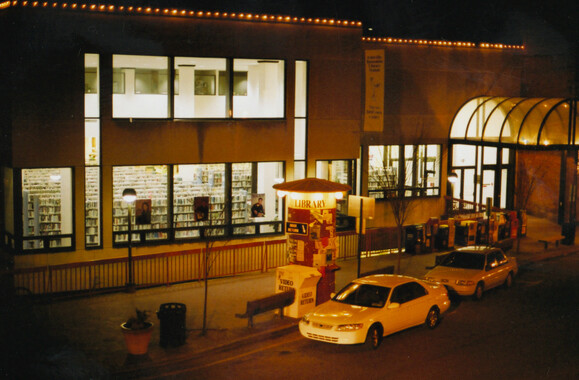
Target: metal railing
<point>456,206</point>
<point>167,268</point>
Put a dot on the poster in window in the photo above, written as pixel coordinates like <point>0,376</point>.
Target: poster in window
<point>257,205</point>
<point>201,208</point>
<point>143,211</point>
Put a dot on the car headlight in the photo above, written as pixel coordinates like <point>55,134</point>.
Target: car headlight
<point>464,282</point>
<point>350,327</point>
<point>306,319</point>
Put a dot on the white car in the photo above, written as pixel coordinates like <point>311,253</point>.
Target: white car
<point>372,307</point>
<point>470,271</point>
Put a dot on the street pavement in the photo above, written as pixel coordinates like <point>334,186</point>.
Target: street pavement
<point>80,338</point>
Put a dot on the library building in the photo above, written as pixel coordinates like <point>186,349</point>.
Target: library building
<point>151,135</point>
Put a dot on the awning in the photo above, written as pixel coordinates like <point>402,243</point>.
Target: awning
<point>538,122</point>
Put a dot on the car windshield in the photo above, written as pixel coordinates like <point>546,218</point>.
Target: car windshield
<point>464,260</point>
<point>363,295</point>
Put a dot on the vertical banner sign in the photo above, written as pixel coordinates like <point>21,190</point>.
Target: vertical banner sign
<point>374,104</point>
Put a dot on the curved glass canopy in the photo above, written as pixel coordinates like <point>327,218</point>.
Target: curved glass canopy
<point>517,121</point>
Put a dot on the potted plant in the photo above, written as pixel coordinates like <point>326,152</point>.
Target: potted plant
<point>137,331</point>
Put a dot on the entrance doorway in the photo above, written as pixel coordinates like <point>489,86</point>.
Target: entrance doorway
<point>483,172</point>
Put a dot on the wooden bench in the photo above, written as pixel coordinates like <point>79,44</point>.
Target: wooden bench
<point>552,239</point>
<point>261,305</point>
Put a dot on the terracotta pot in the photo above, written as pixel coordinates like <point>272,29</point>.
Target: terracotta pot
<point>137,340</point>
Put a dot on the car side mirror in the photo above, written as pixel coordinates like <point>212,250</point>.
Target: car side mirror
<point>488,267</point>
<point>394,305</point>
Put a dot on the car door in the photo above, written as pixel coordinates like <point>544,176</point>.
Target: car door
<point>397,315</point>
<point>495,269</point>
<point>412,299</point>
<point>419,304</point>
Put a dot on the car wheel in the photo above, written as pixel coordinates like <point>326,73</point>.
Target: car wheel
<point>509,280</point>
<point>478,292</point>
<point>432,318</point>
<point>374,337</point>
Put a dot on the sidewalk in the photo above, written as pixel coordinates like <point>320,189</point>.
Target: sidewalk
<point>83,335</point>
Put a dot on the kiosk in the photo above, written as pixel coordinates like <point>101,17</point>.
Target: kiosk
<point>311,228</point>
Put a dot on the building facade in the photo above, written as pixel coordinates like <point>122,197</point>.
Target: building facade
<point>202,113</point>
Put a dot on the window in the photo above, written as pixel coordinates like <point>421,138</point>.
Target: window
<point>301,120</point>
<point>91,85</point>
<point>151,185</point>
<point>47,216</point>
<point>407,292</point>
<point>252,186</point>
<point>207,200</point>
<point>140,86</point>
<point>404,171</point>
<point>263,96</point>
<point>92,206</point>
<point>198,198</point>
<point>92,157</point>
<point>363,295</point>
<point>201,87</point>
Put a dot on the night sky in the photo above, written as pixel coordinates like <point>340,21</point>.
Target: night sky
<point>495,21</point>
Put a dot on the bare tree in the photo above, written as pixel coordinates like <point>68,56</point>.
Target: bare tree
<point>210,234</point>
<point>527,177</point>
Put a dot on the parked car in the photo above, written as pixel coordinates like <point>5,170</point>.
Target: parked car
<point>375,306</point>
<point>470,271</point>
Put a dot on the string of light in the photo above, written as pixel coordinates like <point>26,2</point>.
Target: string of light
<point>183,13</point>
<point>408,41</point>
<point>249,17</point>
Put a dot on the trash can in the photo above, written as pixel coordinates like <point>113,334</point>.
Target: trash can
<point>172,318</point>
<point>568,233</point>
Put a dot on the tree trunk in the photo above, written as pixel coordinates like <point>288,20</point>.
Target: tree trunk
<point>400,230</point>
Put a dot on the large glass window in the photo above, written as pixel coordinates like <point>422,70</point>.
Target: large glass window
<point>404,170</point>
<point>140,86</point>
<point>254,201</point>
<point>47,215</point>
<point>198,199</point>
<point>208,200</point>
<point>150,183</point>
<point>201,87</point>
<point>265,88</point>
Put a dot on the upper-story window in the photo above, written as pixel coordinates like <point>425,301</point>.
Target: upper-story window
<point>259,89</point>
<point>205,88</point>
<point>196,93</point>
<point>140,86</point>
